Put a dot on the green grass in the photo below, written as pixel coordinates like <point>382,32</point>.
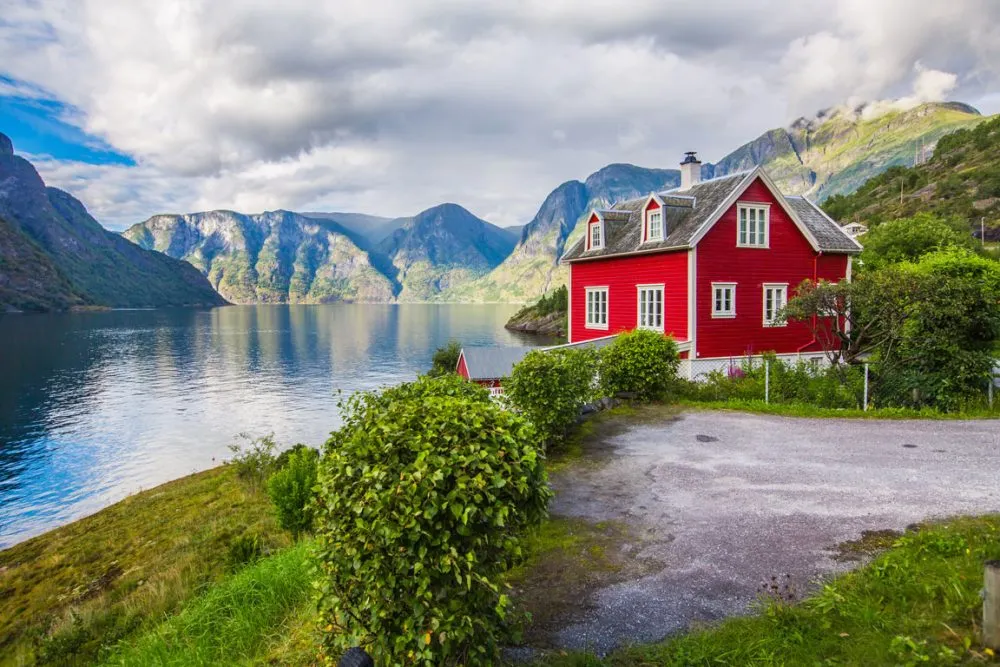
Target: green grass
<point>71,593</point>
<point>916,604</point>
<point>805,410</point>
<point>234,621</point>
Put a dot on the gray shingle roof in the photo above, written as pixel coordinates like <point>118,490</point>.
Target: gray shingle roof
<point>829,235</point>
<point>684,214</point>
<point>492,363</point>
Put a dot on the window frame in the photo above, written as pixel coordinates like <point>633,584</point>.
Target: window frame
<point>600,235</point>
<point>653,287</point>
<point>649,221</point>
<point>760,208</point>
<point>724,314</point>
<point>587,311</point>
<point>784,302</point>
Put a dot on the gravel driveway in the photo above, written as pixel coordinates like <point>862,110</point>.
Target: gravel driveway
<point>725,501</point>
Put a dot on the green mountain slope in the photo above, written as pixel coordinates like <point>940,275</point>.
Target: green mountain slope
<point>55,255</point>
<point>272,257</point>
<point>961,179</point>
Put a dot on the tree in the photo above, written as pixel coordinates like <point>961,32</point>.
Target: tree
<point>445,359</point>
<point>291,490</point>
<point>908,239</point>
<point>425,495</point>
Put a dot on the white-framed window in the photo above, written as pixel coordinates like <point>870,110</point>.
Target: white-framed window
<point>654,225</point>
<point>596,241</point>
<point>752,225</point>
<point>723,299</point>
<point>775,298</point>
<point>650,307</point>
<point>597,307</point>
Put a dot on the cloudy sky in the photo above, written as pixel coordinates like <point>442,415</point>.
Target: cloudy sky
<point>388,107</point>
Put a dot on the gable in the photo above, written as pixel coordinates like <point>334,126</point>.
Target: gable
<point>784,235</point>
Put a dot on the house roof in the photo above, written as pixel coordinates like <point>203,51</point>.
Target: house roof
<point>492,363</point>
<point>687,213</point>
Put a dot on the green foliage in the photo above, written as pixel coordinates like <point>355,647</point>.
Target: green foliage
<point>445,359</point>
<point>246,548</point>
<point>801,382</point>
<point>918,603</point>
<point>550,389</point>
<point>556,301</point>
<point>282,461</point>
<point>641,363</point>
<point>425,494</point>
<point>291,491</point>
<point>908,239</point>
<point>253,459</point>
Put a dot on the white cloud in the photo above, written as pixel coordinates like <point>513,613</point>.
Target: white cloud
<point>390,107</point>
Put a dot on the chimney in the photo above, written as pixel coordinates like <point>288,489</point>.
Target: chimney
<point>690,171</point>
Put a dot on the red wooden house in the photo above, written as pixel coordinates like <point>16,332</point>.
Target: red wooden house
<point>710,263</point>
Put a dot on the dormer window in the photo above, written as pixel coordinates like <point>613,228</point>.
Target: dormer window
<point>595,236</point>
<point>654,225</point>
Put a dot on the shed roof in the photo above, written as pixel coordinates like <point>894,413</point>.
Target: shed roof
<point>492,363</point>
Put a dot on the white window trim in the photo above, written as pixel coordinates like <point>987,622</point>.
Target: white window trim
<point>724,315</point>
<point>586,307</point>
<point>743,205</point>
<point>590,234</point>
<point>763,304</point>
<point>663,305</point>
<point>649,237</point>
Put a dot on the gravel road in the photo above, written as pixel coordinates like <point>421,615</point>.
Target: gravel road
<point>725,501</point>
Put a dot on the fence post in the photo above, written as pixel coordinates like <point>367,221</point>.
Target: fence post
<point>991,605</point>
<point>767,380</point>
<point>866,387</point>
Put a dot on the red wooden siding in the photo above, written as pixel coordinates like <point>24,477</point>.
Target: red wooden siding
<point>462,369</point>
<point>788,259</point>
<point>621,275</point>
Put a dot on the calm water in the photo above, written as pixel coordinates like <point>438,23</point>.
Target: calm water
<point>95,406</point>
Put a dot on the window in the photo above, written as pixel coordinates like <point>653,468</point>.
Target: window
<point>595,235</point>
<point>597,307</point>
<point>753,223</point>
<point>775,298</point>
<point>723,299</point>
<point>654,225</point>
<point>651,307</point>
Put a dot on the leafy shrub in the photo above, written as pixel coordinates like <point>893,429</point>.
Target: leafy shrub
<point>445,359</point>
<point>425,494</point>
<point>281,462</point>
<point>246,548</point>
<point>911,238</point>
<point>642,363</point>
<point>550,389</point>
<point>253,459</point>
<point>291,491</point>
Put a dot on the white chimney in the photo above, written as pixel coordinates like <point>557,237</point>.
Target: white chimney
<point>690,171</point>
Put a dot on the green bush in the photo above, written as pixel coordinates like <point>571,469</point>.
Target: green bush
<point>550,388</point>
<point>425,494</point>
<point>245,549</point>
<point>281,462</point>
<point>253,459</point>
<point>291,491</point>
<point>912,238</point>
<point>445,359</point>
<point>641,363</point>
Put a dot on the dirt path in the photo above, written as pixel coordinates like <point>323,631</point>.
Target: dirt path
<point>722,502</point>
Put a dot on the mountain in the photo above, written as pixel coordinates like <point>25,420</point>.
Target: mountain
<point>271,257</point>
<point>837,150</point>
<point>443,247</point>
<point>54,255</point>
<point>531,268</point>
<point>961,179</point>
<point>283,256</point>
<point>832,153</point>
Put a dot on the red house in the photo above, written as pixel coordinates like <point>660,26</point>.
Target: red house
<point>710,263</point>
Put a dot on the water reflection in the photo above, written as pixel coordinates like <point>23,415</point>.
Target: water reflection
<point>97,405</point>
